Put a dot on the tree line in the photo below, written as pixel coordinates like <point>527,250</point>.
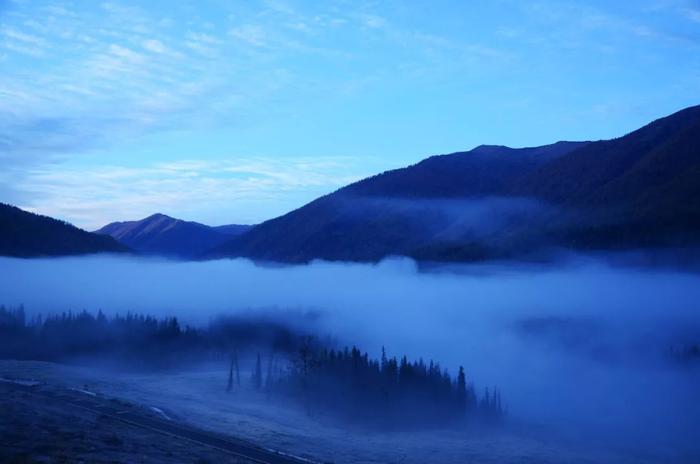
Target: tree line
<point>387,391</point>
<point>342,382</point>
<point>135,338</point>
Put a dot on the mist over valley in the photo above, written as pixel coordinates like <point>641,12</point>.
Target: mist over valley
<point>560,342</point>
<point>297,232</point>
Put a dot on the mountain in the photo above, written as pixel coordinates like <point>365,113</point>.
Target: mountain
<point>487,170</point>
<point>639,190</point>
<point>166,236</point>
<point>24,234</point>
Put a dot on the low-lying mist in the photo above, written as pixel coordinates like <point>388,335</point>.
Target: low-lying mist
<point>583,347</point>
<point>449,219</point>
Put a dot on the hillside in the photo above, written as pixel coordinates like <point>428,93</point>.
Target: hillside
<point>24,234</point>
<point>640,190</point>
<point>166,236</point>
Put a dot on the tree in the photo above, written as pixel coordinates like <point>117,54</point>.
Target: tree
<point>230,376</point>
<point>461,390</point>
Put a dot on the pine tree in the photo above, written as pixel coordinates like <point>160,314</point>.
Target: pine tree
<point>461,382</point>
<point>461,391</point>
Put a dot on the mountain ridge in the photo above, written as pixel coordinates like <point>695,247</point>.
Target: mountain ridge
<point>637,190</point>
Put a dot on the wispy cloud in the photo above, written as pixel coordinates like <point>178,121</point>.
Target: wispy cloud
<point>582,25</point>
<point>250,34</point>
<point>118,70</point>
<point>120,73</point>
<point>240,189</point>
<point>373,21</point>
<point>23,43</point>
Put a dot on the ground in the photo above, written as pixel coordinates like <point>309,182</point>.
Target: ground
<point>34,429</point>
<point>199,398</point>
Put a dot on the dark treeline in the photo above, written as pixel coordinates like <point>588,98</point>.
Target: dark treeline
<point>345,383</point>
<point>135,338</point>
<point>384,391</point>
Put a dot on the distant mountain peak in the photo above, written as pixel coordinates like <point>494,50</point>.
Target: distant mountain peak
<point>158,216</point>
<point>161,234</point>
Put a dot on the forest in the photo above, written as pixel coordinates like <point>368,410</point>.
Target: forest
<point>383,392</point>
<point>137,340</point>
<point>345,383</point>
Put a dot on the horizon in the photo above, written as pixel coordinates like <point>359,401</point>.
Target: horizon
<point>235,114</point>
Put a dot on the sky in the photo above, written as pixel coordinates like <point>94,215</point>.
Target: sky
<point>238,111</point>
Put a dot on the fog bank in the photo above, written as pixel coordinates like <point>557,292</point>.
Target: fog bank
<point>583,347</point>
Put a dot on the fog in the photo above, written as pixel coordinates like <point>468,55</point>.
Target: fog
<point>581,347</point>
<point>450,219</point>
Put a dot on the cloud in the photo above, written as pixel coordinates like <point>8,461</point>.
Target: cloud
<point>203,38</point>
<point>93,196</point>
<point>21,42</point>
<point>155,46</point>
<point>373,21</point>
<point>250,34</point>
<point>127,55</point>
<point>580,25</point>
<point>124,71</point>
<point>109,82</point>
<point>22,37</point>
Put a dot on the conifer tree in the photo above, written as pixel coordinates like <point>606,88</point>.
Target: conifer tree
<point>461,391</point>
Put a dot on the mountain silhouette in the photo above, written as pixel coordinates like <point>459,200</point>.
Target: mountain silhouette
<point>640,190</point>
<point>24,234</point>
<point>166,236</point>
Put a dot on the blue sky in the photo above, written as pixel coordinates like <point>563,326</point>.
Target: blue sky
<point>223,111</point>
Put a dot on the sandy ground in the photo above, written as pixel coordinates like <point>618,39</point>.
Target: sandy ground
<point>199,397</point>
<point>41,430</point>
